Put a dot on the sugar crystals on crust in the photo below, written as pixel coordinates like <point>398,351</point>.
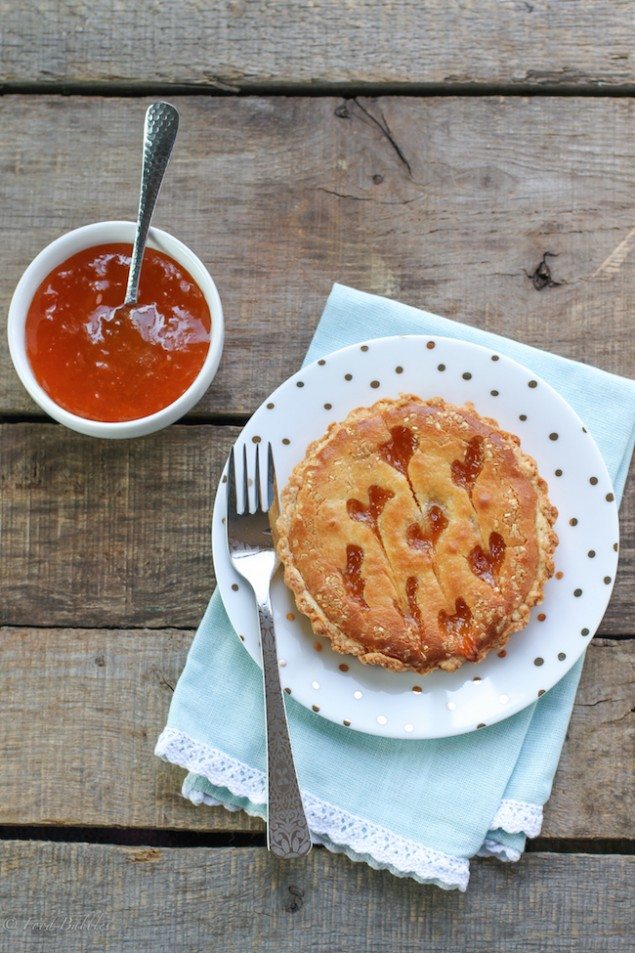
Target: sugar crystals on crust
<point>416,535</point>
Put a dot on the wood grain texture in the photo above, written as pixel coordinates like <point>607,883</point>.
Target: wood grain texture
<point>446,203</point>
<point>108,533</point>
<point>84,708</point>
<point>235,44</point>
<point>231,901</point>
<point>117,533</point>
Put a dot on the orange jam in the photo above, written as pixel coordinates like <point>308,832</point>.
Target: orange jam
<point>105,362</point>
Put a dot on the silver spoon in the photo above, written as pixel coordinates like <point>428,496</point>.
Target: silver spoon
<point>159,132</point>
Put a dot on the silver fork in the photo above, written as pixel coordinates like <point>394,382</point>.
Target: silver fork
<point>254,557</point>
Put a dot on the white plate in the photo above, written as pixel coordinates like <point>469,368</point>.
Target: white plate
<point>403,704</point>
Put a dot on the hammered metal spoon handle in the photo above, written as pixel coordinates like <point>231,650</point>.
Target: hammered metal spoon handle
<point>161,126</point>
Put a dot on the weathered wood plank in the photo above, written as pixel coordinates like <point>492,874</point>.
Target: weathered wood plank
<point>233,900</point>
<point>601,734</point>
<point>241,45</point>
<point>86,708</point>
<point>117,533</point>
<point>281,197</point>
<point>105,532</point>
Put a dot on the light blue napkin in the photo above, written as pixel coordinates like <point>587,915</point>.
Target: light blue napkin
<point>420,809</point>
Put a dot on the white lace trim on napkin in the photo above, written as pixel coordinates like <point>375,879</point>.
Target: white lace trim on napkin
<point>518,817</point>
<point>338,830</point>
<point>493,848</point>
<point>514,817</point>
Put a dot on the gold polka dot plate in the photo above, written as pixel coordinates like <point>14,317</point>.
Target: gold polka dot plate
<point>432,695</point>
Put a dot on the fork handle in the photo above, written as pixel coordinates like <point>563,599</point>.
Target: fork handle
<point>287,829</point>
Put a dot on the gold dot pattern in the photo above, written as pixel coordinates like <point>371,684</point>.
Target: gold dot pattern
<point>592,554</point>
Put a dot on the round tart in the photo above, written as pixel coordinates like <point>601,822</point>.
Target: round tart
<point>416,535</point>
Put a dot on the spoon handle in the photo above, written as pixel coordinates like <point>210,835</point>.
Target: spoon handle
<point>161,126</point>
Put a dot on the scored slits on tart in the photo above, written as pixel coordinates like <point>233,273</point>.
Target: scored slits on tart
<point>416,535</point>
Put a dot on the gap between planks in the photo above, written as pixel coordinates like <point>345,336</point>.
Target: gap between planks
<point>345,90</point>
<point>204,420</point>
<point>151,837</point>
<point>138,627</point>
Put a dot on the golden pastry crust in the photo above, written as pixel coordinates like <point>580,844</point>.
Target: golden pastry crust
<point>416,535</point>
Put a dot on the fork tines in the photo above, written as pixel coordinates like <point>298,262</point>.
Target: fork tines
<point>262,502</point>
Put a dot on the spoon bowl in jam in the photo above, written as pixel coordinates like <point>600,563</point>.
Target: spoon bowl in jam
<point>109,371</point>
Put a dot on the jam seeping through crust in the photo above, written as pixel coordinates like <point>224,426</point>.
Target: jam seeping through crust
<point>416,534</point>
<point>398,452</point>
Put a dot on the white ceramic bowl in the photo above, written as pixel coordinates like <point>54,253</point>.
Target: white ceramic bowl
<point>53,255</point>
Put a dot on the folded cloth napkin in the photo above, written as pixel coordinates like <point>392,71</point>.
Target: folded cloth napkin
<point>420,809</point>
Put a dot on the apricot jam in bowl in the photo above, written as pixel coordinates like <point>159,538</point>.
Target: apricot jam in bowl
<point>107,370</point>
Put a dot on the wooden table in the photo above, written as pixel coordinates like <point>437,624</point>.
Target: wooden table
<point>477,160</point>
